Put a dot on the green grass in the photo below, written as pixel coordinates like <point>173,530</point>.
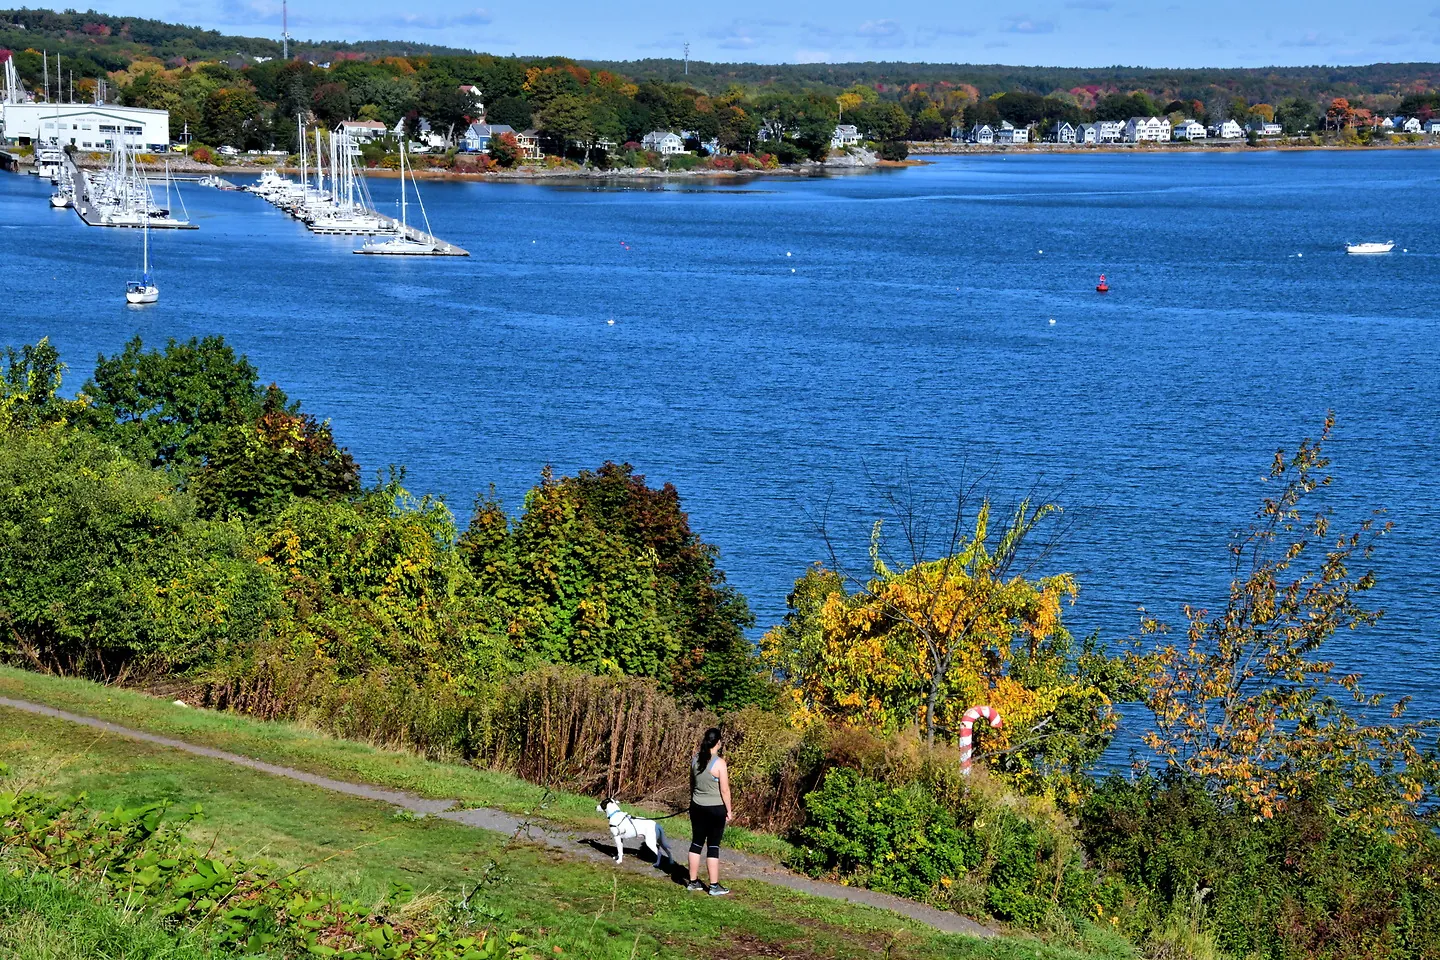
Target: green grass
<point>295,746</point>
<point>357,848</point>
<point>44,918</point>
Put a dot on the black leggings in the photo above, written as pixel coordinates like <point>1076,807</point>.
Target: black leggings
<point>708,825</point>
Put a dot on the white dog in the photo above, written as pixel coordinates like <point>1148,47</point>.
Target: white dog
<point>623,826</point>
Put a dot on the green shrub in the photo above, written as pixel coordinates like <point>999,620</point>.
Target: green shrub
<point>894,150</point>
<point>681,161</point>
<point>895,839</point>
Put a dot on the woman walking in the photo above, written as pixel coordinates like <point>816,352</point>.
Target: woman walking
<point>710,810</point>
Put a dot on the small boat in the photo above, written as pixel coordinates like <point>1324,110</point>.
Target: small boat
<point>143,290</point>
<point>400,243</point>
<point>1102,286</point>
<point>60,200</point>
<point>1385,247</point>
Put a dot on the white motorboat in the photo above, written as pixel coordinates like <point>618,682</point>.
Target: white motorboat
<point>143,290</point>
<point>1385,247</point>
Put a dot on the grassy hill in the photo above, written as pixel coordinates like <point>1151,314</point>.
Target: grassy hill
<point>564,906</point>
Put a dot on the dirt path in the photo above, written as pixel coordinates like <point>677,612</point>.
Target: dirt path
<point>594,847</point>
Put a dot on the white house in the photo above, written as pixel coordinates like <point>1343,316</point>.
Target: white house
<point>530,145</point>
<point>1386,125</point>
<point>1188,130</point>
<point>1086,133</point>
<point>1229,130</point>
<point>1432,127</point>
<point>845,135</point>
<point>663,142</point>
<point>1109,131</point>
<point>1009,133</point>
<point>478,136</point>
<point>1264,129</point>
<point>981,133</point>
<point>363,131</point>
<point>1065,133</point>
<point>1411,125</point>
<point>1139,129</point>
<point>426,137</point>
<point>86,126</point>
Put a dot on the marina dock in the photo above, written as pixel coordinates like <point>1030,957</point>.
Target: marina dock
<point>441,248</point>
<point>91,215</point>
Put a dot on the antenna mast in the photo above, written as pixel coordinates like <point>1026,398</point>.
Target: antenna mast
<point>687,58</point>
<point>285,28</point>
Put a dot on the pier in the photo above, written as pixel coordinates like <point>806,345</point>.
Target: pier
<point>9,161</point>
<point>440,247</point>
<point>92,216</point>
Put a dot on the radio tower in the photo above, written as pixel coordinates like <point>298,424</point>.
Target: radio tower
<point>687,58</point>
<point>285,29</point>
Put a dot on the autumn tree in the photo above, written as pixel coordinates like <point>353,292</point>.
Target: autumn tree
<point>922,638</point>
<point>1248,703</point>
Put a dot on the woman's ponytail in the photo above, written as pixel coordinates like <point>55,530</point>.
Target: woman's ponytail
<point>707,745</point>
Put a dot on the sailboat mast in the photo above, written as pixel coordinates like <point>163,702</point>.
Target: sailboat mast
<point>403,223</point>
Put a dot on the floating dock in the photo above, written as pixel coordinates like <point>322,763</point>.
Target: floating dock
<point>91,216</point>
<point>440,247</point>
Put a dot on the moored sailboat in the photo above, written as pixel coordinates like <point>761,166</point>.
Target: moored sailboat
<point>143,290</point>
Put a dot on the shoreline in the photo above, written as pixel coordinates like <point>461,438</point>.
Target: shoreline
<point>947,148</point>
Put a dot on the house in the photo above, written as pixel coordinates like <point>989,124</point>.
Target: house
<point>663,142</point>
<point>1229,130</point>
<point>845,135</point>
<point>1009,133</point>
<point>1087,133</point>
<point>957,133</point>
<point>981,133</point>
<point>425,137</point>
<point>772,130</point>
<point>363,131</point>
<point>1409,125</point>
<point>1386,125</point>
<point>530,145</point>
<point>1065,133</point>
<point>478,136</point>
<point>1109,131</point>
<point>1432,127</point>
<point>1263,129</point>
<point>1141,129</point>
<point>1188,130</point>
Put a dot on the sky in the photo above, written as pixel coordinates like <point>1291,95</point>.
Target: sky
<point>1218,33</point>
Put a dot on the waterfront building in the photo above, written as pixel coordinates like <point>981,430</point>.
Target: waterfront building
<point>1087,133</point>
<point>1141,129</point>
<point>1409,125</point>
<point>981,133</point>
<point>1009,133</point>
<point>845,135</point>
<point>663,142</point>
<point>478,136</point>
<point>1386,125</point>
<point>1065,133</point>
<point>363,130</point>
<point>1432,127</point>
<point>1229,130</point>
<point>1263,129</point>
<point>86,126</point>
<point>530,145</point>
<point>1188,130</point>
<point>1109,131</point>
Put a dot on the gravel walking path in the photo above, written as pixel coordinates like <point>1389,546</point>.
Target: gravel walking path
<point>595,847</point>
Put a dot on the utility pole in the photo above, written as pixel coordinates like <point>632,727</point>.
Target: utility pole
<point>285,28</point>
<point>687,58</point>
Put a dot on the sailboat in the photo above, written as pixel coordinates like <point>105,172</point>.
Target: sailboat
<point>401,244</point>
<point>144,289</point>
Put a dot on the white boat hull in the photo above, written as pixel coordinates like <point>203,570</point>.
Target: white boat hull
<point>1365,249</point>
<point>142,295</point>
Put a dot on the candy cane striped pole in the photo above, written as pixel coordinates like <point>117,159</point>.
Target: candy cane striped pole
<point>967,733</point>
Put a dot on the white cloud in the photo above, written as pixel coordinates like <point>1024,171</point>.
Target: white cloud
<point>882,33</point>
<point>811,56</point>
<point>1027,25</point>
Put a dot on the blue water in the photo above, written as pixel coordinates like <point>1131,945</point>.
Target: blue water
<point>782,346</point>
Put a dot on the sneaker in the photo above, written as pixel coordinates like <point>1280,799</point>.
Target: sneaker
<point>694,886</point>
<point>716,890</point>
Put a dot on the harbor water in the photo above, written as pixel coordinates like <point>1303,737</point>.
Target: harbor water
<point>781,347</point>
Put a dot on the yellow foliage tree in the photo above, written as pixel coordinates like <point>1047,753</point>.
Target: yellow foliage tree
<point>921,644</point>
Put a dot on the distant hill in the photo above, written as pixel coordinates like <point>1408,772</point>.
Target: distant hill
<point>96,42</point>
<point>1258,84</point>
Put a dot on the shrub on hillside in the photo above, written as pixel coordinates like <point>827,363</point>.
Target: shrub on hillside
<point>894,150</point>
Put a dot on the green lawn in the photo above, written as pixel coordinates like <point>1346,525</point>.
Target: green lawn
<point>359,847</point>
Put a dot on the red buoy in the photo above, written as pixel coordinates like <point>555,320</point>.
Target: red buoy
<point>1102,286</point>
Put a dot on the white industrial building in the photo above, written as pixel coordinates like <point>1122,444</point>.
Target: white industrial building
<point>86,126</point>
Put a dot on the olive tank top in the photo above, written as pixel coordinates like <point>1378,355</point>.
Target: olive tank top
<point>704,785</point>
